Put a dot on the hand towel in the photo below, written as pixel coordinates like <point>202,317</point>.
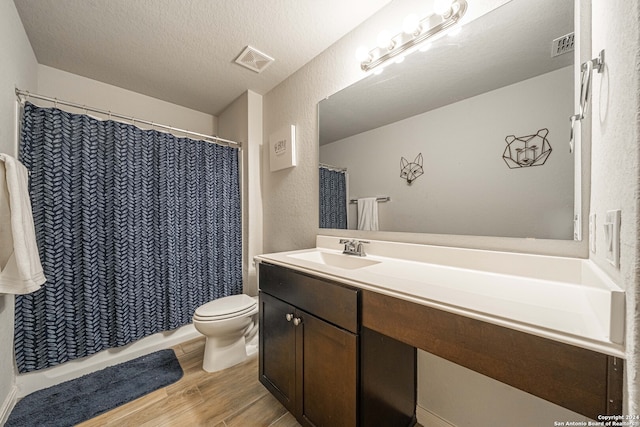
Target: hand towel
<point>20,268</point>
<point>368,214</point>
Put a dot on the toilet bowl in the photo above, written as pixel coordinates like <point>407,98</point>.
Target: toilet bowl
<point>230,325</point>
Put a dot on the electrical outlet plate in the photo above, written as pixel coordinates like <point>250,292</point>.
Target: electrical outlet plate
<point>592,232</point>
<point>612,237</point>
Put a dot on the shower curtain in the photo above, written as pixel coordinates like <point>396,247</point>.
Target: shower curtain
<point>333,198</point>
<point>136,229</point>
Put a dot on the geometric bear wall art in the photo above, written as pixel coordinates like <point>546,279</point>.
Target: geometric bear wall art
<point>525,151</point>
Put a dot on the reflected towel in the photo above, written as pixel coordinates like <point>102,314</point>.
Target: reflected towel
<point>368,214</point>
<point>20,268</point>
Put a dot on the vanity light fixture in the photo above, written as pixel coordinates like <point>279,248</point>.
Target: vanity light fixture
<point>414,32</point>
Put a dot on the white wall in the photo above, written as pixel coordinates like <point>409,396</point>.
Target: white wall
<point>291,205</point>
<point>242,121</point>
<point>615,154</point>
<point>466,187</point>
<point>18,68</point>
<point>71,87</point>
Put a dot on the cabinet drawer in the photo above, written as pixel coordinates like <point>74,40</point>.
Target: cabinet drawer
<point>331,301</point>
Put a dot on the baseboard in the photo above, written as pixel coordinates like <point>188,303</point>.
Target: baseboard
<point>8,405</point>
<point>34,381</point>
<point>428,419</point>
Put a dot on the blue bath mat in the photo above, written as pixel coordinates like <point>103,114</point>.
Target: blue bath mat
<point>78,400</point>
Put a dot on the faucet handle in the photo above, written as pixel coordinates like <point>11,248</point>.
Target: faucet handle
<point>343,241</point>
<point>358,247</point>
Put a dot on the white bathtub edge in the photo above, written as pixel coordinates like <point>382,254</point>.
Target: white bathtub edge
<point>34,381</point>
<point>8,405</point>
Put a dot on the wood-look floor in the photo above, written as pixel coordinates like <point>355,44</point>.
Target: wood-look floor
<point>229,398</point>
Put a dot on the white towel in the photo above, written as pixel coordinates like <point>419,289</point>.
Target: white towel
<point>368,214</point>
<point>20,268</point>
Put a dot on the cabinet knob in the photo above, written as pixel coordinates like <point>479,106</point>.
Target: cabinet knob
<point>289,316</point>
<point>297,321</point>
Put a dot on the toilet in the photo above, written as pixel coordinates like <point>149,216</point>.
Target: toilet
<point>230,325</point>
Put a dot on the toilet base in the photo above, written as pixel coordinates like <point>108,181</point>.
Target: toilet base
<point>221,354</point>
<point>217,358</point>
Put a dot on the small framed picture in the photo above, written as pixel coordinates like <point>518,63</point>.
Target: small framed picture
<point>282,148</point>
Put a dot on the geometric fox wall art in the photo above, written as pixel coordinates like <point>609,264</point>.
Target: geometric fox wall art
<point>525,151</point>
<point>411,170</point>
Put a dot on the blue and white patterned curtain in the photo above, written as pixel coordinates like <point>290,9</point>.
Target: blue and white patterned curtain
<point>333,198</point>
<point>136,229</point>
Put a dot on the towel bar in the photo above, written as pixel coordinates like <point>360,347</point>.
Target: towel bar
<point>378,199</point>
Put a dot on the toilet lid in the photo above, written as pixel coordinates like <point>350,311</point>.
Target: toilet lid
<point>233,305</point>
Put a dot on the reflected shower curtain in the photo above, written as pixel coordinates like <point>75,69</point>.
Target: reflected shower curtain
<point>136,229</point>
<point>333,198</point>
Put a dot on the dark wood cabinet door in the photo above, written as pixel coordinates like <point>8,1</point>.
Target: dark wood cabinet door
<point>278,350</point>
<point>328,369</point>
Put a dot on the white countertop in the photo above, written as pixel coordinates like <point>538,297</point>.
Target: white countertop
<point>581,307</point>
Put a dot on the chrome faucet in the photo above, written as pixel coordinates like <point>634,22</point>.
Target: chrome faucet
<point>353,247</point>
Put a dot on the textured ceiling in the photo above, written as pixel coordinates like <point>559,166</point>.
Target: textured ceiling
<point>184,51</point>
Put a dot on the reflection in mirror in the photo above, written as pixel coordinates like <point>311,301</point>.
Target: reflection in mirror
<point>467,106</point>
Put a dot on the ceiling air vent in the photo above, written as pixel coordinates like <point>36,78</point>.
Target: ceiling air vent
<point>254,60</point>
<point>562,45</point>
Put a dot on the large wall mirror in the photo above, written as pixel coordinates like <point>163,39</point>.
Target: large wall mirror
<point>450,113</point>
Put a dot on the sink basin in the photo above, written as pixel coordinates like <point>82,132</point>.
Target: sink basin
<point>348,262</point>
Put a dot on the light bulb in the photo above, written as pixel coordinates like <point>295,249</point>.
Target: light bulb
<point>442,7</point>
<point>362,53</point>
<point>411,24</point>
<point>399,59</point>
<point>378,71</point>
<point>384,39</point>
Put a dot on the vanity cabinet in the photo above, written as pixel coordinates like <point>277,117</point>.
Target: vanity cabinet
<point>278,350</point>
<point>388,319</point>
<point>310,349</point>
<point>309,366</point>
<point>309,346</point>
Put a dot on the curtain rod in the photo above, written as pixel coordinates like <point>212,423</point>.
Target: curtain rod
<point>201,136</point>
<point>330,167</point>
